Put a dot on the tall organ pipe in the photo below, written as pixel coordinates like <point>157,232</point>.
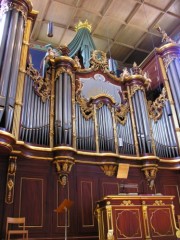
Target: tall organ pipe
<point>177,105</point>
<point>5,21</point>
<point>145,119</point>
<point>8,54</point>
<point>138,124</point>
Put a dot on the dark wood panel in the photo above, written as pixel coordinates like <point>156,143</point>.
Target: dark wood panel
<point>129,223</point>
<point>174,191</point>
<point>87,196</point>
<point>31,201</point>
<point>160,228</point>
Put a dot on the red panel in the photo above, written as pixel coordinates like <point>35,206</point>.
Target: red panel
<point>173,190</point>
<point>128,223</point>
<point>161,222</point>
<point>31,201</point>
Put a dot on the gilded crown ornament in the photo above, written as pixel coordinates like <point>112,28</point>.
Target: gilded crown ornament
<point>83,25</point>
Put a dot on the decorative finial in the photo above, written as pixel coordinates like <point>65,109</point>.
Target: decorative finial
<point>83,25</point>
<point>165,37</point>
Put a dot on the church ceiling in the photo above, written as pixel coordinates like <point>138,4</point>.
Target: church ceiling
<point>125,30</point>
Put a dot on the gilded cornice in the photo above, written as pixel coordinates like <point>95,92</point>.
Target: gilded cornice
<point>65,59</point>
<point>168,49</point>
<point>137,79</point>
<point>21,149</point>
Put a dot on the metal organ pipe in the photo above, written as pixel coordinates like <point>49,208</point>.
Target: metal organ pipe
<point>6,64</point>
<point>8,54</point>
<point>174,93</point>
<point>138,124</point>
<point>145,119</point>
<point>35,116</point>
<point>63,110</point>
<point>164,135</point>
<point>5,21</point>
<point>69,113</point>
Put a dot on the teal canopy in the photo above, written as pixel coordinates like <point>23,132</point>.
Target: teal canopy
<point>84,44</point>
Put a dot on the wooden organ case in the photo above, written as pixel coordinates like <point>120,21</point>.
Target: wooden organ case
<point>64,133</point>
<point>136,217</point>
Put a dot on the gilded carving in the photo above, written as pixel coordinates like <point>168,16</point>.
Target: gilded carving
<point>135,88</point>
<point>109,169</point>
<point>84,24</point>
<point>121,113</point>
<point>165,37</point>
<point>150,174</point>
<point>86,109</point>
<point>110,235</point>
<point>10,180</point>
<point>42,86</point>
<point>63,168</point>
<point>99,61</point>
<point>168,59</point>
<point>158,203</point>
<point>63,70</point>
<point>156,108</point>
<point>127,203</point>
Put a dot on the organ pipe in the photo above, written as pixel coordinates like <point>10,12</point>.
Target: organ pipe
<point>35,116</point>
<point>21,75</point>
<point>170,97</point>
<point>134,127</point>
<point>52,107</point>
<point>63,107</point>
<point>7,59</point>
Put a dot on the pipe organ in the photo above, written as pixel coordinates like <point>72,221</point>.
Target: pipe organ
<point>73,117</point>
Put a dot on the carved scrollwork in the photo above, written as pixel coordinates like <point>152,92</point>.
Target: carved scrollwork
<point>121,113</point>
<point>42,86</point>
<point>99,60</point>
<point>156,108</point>
<point>63,70</point>
<point>86,108</point>
<point>135,88</point>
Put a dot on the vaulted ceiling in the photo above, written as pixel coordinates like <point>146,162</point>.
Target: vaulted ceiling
<point>124,29</point>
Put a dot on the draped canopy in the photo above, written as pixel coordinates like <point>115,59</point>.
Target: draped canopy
<point>84,44</point>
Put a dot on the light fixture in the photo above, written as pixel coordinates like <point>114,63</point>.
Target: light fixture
<point>50,29</point>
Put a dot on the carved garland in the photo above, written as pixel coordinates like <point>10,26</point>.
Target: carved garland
<point>86,109</point>
<point>42,87</point>
<point>156,108</point>
<point>121,114</point>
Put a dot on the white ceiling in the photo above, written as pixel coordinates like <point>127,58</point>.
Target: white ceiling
<point>123,29</point>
